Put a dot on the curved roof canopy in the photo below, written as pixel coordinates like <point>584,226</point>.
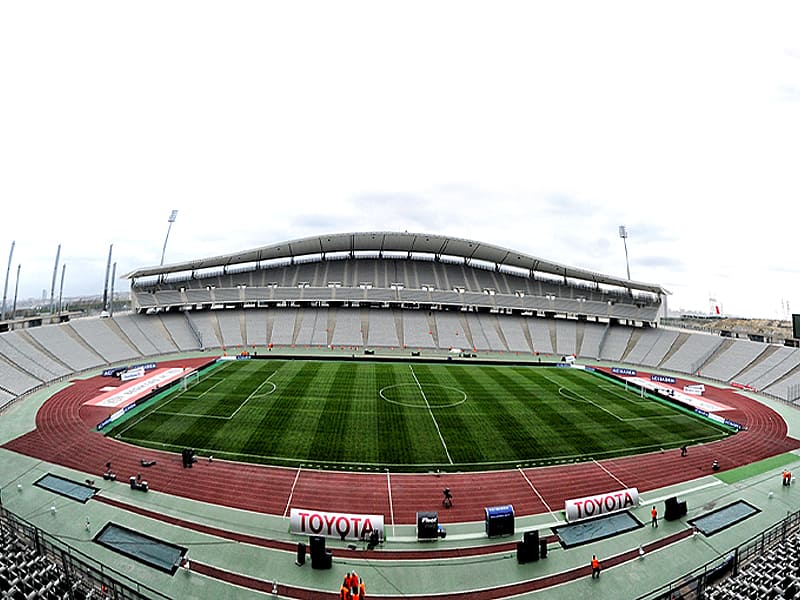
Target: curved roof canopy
<point>388,241</point>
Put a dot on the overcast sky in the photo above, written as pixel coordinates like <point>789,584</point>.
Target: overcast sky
<point>541,127</point>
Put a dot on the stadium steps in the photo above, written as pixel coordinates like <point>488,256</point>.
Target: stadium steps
<point>168,334</point>
<point>298,325</point>
<point>602,346</point>
<point>243,327</point>
<point>114,326</point>
<point>33,342</point>
<point>431,320</point>
<point>43,374</point>
<point>526,332</point>
<point>331,326</point>
<point>580,331</point>
<point>553,329</point>
<point>500,334</point>
<point>718,351</point>
<point>467,331</point>
<point>632,343</point>
<point>364,315</point>
<point>743,376</point>
<point>779,384</point>
<point>676,345</point>
<point>270,324</point>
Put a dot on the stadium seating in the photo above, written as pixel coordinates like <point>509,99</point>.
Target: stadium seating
<point>774,573</point>
<point>62,342</point>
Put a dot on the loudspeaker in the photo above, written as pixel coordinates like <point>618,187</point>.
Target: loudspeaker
<point>527,553</point>
<point>542,548</point>
<point>673,509</point>
<point>323,562</point>
<point>301,554</point>
<point>531,538</point>
<point>317,547</point>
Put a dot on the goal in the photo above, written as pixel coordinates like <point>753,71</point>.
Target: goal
<point>190,380</point>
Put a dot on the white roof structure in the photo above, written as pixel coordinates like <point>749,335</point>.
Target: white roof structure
<point>438,245</point>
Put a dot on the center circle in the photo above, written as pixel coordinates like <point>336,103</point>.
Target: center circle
<point>432,395</point>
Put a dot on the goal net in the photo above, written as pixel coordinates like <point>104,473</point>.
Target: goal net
<point>190,380</point>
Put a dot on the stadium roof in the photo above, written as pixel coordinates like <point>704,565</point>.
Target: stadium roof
<point>389,241</point>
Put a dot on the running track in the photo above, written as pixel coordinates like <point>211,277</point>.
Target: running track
<point>64,436</point>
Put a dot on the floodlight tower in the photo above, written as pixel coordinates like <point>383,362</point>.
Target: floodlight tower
<point>5,286</point>
<point>172,216</point>
<point>623,233</point>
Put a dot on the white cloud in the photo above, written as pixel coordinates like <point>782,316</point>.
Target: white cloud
<point>533,126</point>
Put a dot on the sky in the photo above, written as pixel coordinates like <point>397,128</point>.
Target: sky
<point>537,126</point>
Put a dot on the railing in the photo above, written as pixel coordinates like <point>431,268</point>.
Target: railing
<point>81,573</point>
<point>693,585</point>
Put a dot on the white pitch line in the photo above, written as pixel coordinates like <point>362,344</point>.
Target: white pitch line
<point>424,397</point>
<point>535,491</point>
<point>391,506</point>
<point>610,474</point>
<point>253,393</point>
<point>291,492</point>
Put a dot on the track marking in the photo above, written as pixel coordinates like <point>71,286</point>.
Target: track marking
<point>610,474</point>
<point>430,411</point>
<point>535,491</point>
<point>391,506</point>
<point>291,492</point>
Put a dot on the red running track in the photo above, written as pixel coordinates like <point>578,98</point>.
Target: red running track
<point>64,436</point>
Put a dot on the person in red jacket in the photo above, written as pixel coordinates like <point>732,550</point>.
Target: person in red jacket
<point>654,515</point>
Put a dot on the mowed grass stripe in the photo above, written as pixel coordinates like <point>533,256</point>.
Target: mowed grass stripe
<point>332,413</point>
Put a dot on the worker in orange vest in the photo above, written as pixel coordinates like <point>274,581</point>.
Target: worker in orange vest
<point>344,593</point>
<point>595,567</point>
<point>352,583</point>
<point>362,592</point>
<point>654,515</point>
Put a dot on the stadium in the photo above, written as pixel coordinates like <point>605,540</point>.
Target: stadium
<point>252,404</point>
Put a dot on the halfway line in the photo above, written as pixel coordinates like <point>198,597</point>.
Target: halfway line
<point>424,397</point>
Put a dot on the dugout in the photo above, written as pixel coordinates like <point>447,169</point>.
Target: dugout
<point>499,520</point>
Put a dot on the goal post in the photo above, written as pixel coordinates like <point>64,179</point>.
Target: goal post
<point>190,380</point>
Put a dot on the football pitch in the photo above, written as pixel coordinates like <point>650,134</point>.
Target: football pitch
<point>409,416</point>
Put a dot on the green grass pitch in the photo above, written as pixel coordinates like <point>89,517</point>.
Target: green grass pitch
<point>409,417</point>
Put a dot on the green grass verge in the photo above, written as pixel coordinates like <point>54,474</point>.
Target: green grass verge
<point>757,468</point>
<point>409,417</point>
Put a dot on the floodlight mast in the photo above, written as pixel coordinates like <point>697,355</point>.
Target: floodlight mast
<point>623,233</point>
<point>172,216</point>
<point>5,286</point>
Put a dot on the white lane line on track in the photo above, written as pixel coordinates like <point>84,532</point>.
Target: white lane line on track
<point>291,492</point>
<point>535,491</point>
<point>610,474</point>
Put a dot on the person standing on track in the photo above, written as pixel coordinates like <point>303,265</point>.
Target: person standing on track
<point>654,517</point>
<point>595,567</point>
